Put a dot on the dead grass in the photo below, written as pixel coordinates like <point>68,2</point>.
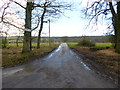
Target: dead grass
<point>107,57</point>
<point>105,62</point>
<point>13,56</point>
<point>108,52</point>
<point>0,57</point>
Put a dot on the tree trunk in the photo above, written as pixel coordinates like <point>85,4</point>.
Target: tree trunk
<point>41,27</point>
<point>4,42</point>
<point>118,41</point>
<point>39,40</point>
<point>39,34</point>
<point>27,32</point>
<point>116,25</point>
<point>118,28</point>
<point>17,41</point>
<point>114,21</point>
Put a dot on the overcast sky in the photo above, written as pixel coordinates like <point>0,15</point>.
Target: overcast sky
<point>72,24</point>
<point>75,25</point>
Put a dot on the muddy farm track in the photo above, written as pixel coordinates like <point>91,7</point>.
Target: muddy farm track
<point>62,68</point>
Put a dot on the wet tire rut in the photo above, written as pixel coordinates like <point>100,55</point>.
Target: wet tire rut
<point>62,68</point>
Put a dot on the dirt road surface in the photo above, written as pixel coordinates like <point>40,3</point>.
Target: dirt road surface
<point>62,68</point>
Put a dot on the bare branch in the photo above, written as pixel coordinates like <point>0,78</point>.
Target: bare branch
<point>19,4</point>
<point>112,9</point>
<point>12,24</point>
<point>3,14</point>
<point>37,24</point>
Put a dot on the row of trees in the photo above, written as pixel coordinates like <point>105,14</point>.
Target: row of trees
<point>34,14</point>
<point>51,8</point>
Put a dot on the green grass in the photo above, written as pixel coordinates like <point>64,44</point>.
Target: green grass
<point>33,44</point>
<point>0,57</point>
<point>73,44</point>
<point>103,44</point>
<point>14,45</point>
<point>14,37</point>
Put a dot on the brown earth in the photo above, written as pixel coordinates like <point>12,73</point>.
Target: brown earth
<point>105,62</point>
<point>63,68</point>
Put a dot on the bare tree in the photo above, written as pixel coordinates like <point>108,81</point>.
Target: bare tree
<point>100,9</point>
<point>52,9</point>
<point>8,16</point>
<point>27,27</point>
<point>11,18</point>
<point>27,33</point>
<point>41,25</point>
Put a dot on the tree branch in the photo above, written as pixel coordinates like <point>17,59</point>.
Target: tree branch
<point>3,14</point>
<point>37,24</point>
<point>112,9</point>
<point>12,25</point>
<point>19,4</point>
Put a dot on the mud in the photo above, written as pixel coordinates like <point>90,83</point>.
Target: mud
<point>62,68</point>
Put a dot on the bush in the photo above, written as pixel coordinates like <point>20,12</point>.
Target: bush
<point>86,42</point>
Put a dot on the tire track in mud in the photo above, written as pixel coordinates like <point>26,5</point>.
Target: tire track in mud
<point>62,68</point>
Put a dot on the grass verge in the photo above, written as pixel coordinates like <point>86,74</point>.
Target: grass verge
<point>106,57</point>
<point>12,56</point>
<point>104,61</point>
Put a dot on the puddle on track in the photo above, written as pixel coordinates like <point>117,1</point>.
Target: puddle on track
<point>85,66</point>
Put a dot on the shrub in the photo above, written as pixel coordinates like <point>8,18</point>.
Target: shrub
<point>86,42</point>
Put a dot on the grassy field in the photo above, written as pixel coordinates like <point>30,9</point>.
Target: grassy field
<point>73,44</point>
<point>96,44</point>
<point>33,44</point>
<point>103,44</point>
